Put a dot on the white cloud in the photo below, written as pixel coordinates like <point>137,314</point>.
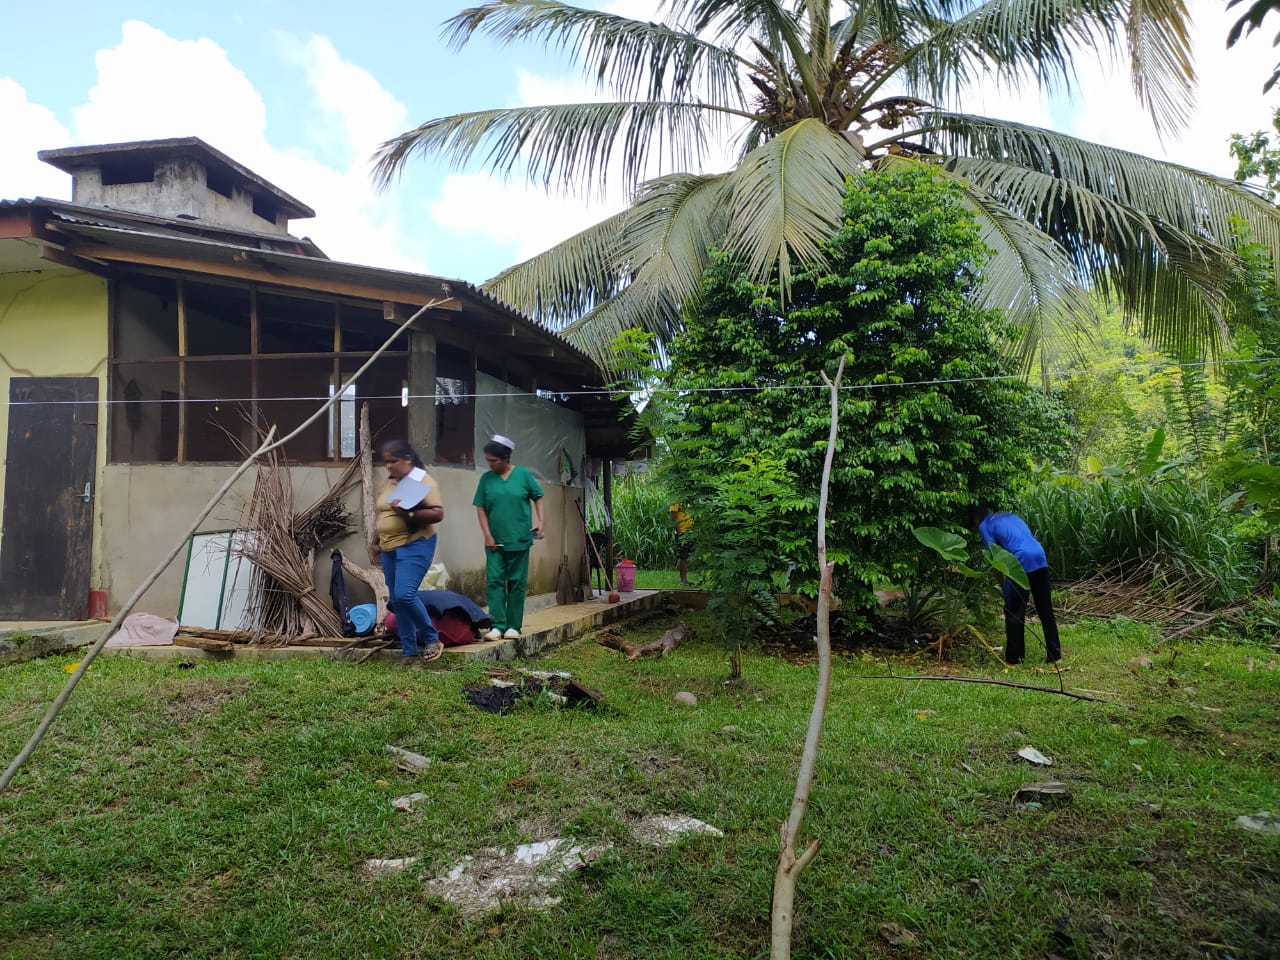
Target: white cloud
<point>151,86</point>
<point>203,94</point>
<point>29,127</point>
<point>354,110</point>
<point>524,220</point>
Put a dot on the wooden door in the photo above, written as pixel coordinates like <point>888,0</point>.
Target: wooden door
<point>49,480</point>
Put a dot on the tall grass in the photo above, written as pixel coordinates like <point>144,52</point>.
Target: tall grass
<point>1168,528</point>
<point>642,522</point>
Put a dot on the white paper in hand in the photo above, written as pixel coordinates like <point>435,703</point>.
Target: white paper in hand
<point>409,491</point>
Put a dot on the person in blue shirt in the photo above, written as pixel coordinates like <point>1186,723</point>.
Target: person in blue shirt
<point>1011,532</point>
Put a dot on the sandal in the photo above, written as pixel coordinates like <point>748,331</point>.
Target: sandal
<point>433,652</point>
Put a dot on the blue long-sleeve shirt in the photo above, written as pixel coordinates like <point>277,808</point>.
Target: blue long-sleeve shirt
<point>1011,532</point>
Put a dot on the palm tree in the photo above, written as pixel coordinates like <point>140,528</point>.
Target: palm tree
<point>813,97</point>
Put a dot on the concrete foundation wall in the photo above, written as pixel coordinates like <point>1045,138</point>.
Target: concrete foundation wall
<point>151,505</point>
<point>53,323</point>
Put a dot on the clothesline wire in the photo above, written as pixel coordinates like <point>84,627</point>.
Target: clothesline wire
<point>1153,367</point>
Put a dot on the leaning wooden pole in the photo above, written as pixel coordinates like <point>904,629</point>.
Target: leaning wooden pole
<point>266,447</point>
<point>790,864</point>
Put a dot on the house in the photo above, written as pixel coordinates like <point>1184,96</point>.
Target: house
<point>149,323</point>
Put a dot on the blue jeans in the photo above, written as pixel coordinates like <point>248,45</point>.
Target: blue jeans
<point>404,567</point>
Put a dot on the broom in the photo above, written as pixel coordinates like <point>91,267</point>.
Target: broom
<point>608,579</point>
<point>564,579</point>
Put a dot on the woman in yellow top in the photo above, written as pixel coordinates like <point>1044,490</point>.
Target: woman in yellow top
<point>406,541</point>
<point>682,523</point>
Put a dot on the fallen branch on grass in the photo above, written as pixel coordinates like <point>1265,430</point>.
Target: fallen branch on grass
<point>231,636</point>
<point>662,646</point>
<point>998,683</point>
<point>375,648</point>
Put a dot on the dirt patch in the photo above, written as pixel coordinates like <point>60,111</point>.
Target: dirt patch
<point>198,698</point>
<point>795,639</point>
<point>492,876</point>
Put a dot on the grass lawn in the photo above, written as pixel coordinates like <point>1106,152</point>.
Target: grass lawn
<point>224,810</point>
<point>663,579</point>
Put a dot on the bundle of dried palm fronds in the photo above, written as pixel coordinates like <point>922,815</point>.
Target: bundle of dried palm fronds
<point>327,519</point>
<point>284,603</point>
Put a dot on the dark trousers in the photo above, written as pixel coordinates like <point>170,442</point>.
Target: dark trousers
<point>1015,617</point>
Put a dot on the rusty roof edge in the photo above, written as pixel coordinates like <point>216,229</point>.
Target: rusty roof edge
<point>183,226</point>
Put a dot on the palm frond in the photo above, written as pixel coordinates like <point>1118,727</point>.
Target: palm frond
<point>675,222</point>
<point>631,309</point>
<point>635,59</point>
<point>731,21</point>
<point>1009,39</point>
<point>1160,59</point>
<point>786,198</point>
<point>1029,276</point>
<point>571,144</point>
<point>883,21</point>
<point>560,284</point>
<point>1172,280</point>
<point>1179,198</point>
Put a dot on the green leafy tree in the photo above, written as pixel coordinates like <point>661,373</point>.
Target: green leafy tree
<point>931,417</point>
<point>1257,157</point>
<point>1120,389</point>
<point>1252,373</point>
<point>752,502</point>
<point>810,93</point>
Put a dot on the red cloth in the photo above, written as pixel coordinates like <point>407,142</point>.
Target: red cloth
<point>454,628</point>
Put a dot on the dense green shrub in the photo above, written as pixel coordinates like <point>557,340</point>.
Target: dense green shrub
<point>932,415</point>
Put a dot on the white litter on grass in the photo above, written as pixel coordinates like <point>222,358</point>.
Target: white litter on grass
<point>405,803</point>
<point>546,675</point>
<point>665,829</point>
<point>1035,756</point>
<point>1262,822</point>
<point>525,875</point>
<point>378,867</point>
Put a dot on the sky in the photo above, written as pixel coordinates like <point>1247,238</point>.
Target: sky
<point>302,93</point>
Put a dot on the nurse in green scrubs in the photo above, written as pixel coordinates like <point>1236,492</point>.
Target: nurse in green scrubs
<point>502,502</point>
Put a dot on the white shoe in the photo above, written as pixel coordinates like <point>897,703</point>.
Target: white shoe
<point>511,635</point>
<point>494,634</point>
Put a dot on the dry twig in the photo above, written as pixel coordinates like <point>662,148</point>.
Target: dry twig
<point>999,683</point>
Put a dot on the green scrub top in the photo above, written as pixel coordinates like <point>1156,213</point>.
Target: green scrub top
<point>506,503</point>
